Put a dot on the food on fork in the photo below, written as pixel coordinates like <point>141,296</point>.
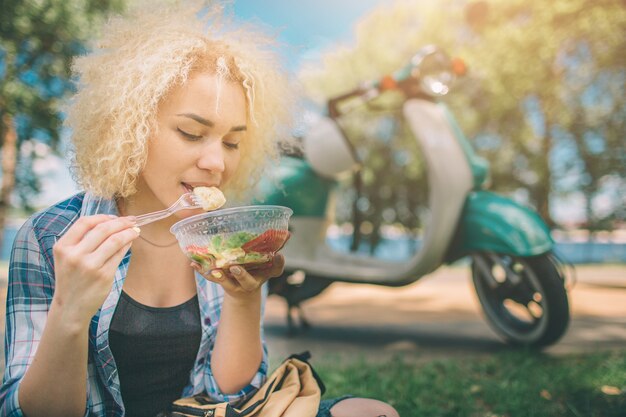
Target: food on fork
<point>210,198</point>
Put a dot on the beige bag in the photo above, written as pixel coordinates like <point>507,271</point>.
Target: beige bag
<point>293,390</point>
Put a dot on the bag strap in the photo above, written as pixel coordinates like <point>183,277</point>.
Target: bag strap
<point>304,357</point>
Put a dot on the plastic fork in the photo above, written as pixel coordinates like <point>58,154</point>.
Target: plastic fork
<point>186,201</point>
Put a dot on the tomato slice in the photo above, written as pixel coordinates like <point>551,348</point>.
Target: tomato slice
<point>270,241</point>
<point>197,250</point>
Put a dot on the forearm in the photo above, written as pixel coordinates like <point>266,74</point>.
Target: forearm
<point>55,383</point>
<point>238,350</point>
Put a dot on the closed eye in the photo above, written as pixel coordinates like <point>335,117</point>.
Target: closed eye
<point>188,135</point>
<point>230,145</point>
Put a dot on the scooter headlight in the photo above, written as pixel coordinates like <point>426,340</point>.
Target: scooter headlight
<point>326,149</point>
<point>435,72</point>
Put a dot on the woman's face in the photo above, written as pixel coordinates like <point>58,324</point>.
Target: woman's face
<point>197,142</point>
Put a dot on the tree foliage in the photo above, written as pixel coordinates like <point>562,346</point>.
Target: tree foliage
<point>38,39</point>
<point>544,99</point>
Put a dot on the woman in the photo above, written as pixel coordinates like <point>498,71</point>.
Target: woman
<point>107,320</point>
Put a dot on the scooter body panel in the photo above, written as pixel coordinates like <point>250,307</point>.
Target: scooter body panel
<point>478,164</point>
<point>491,222</point>
<point>449,180</point>
<point>294,184</point>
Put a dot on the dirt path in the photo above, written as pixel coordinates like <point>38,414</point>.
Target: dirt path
<point>440,316</point>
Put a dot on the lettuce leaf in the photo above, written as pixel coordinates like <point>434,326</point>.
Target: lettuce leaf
<point>234,241</point>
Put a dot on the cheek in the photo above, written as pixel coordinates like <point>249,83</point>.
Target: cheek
<point>233,162</point>
<point>155,153</point>
<point>164,155</point>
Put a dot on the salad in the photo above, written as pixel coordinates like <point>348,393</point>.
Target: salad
<point>239,248</point>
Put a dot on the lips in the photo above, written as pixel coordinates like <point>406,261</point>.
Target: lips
<point>190,186</point>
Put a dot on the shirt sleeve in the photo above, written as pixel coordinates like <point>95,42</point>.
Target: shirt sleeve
<point>257,381</point>
<point>29,294</point>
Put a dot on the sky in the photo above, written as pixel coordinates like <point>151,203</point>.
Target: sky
<point>307,26</point>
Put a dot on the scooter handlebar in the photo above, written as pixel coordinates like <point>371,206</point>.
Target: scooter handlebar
<point>430,61</point>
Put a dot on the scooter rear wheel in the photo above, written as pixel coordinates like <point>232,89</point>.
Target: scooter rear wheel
<point>524,299</point>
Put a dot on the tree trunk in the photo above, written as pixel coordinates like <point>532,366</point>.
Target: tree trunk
<point>545,177</point>
<point>590,221</point>
<point>357,216</point>
<point>9,154</point>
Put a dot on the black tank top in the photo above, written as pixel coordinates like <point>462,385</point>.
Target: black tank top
<point>154,350</point>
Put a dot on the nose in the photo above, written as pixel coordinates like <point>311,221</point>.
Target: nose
<point>211,157</point>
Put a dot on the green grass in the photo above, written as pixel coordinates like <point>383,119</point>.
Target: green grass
<point>512,384</point>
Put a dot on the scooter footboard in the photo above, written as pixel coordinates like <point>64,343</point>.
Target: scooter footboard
<point>490,222</point>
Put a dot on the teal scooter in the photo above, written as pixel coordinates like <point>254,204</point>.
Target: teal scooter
<point>519,282</point>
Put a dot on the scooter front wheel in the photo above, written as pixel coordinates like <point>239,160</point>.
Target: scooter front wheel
<point>524,299</point>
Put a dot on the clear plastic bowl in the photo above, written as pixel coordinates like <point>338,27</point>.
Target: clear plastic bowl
<point>248,235</point>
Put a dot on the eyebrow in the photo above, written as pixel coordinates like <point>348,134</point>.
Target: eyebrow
<point>209,123</point>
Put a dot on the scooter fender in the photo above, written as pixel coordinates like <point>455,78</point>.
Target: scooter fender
<point>294,184</point>
<point>490,222</point>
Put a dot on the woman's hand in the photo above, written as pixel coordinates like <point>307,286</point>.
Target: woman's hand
<point>85,261</point>
<point>240,283</point>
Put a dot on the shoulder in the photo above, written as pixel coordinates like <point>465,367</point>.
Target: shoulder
<point>56,219</point>
<point>33,243</point>
<point>43,228</point>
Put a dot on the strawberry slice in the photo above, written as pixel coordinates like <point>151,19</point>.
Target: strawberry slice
<point>270,241</point>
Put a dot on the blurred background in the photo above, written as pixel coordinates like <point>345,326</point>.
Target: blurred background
<point>543,101</point>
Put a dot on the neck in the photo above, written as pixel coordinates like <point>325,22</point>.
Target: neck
<point>158,233</point>
<point>154,244</point>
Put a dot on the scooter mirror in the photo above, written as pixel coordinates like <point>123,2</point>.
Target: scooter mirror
<point>436,74</point>
<point>327,150</point>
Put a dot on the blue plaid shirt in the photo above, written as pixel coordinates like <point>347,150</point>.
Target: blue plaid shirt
<point>30,290</point>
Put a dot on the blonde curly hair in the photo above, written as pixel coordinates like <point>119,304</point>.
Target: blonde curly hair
<point>139,58</point>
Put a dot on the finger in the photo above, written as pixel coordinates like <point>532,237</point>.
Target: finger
<point>278,266</point>
<point>113,244</point>
<point>246,281</point>
<point>82,226</point>
<point>102,232</point>
<point>200,268</point>
<point>117,257</point>
<point>254,267</point>
<point>217,276</point>
<point>271,269</point>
